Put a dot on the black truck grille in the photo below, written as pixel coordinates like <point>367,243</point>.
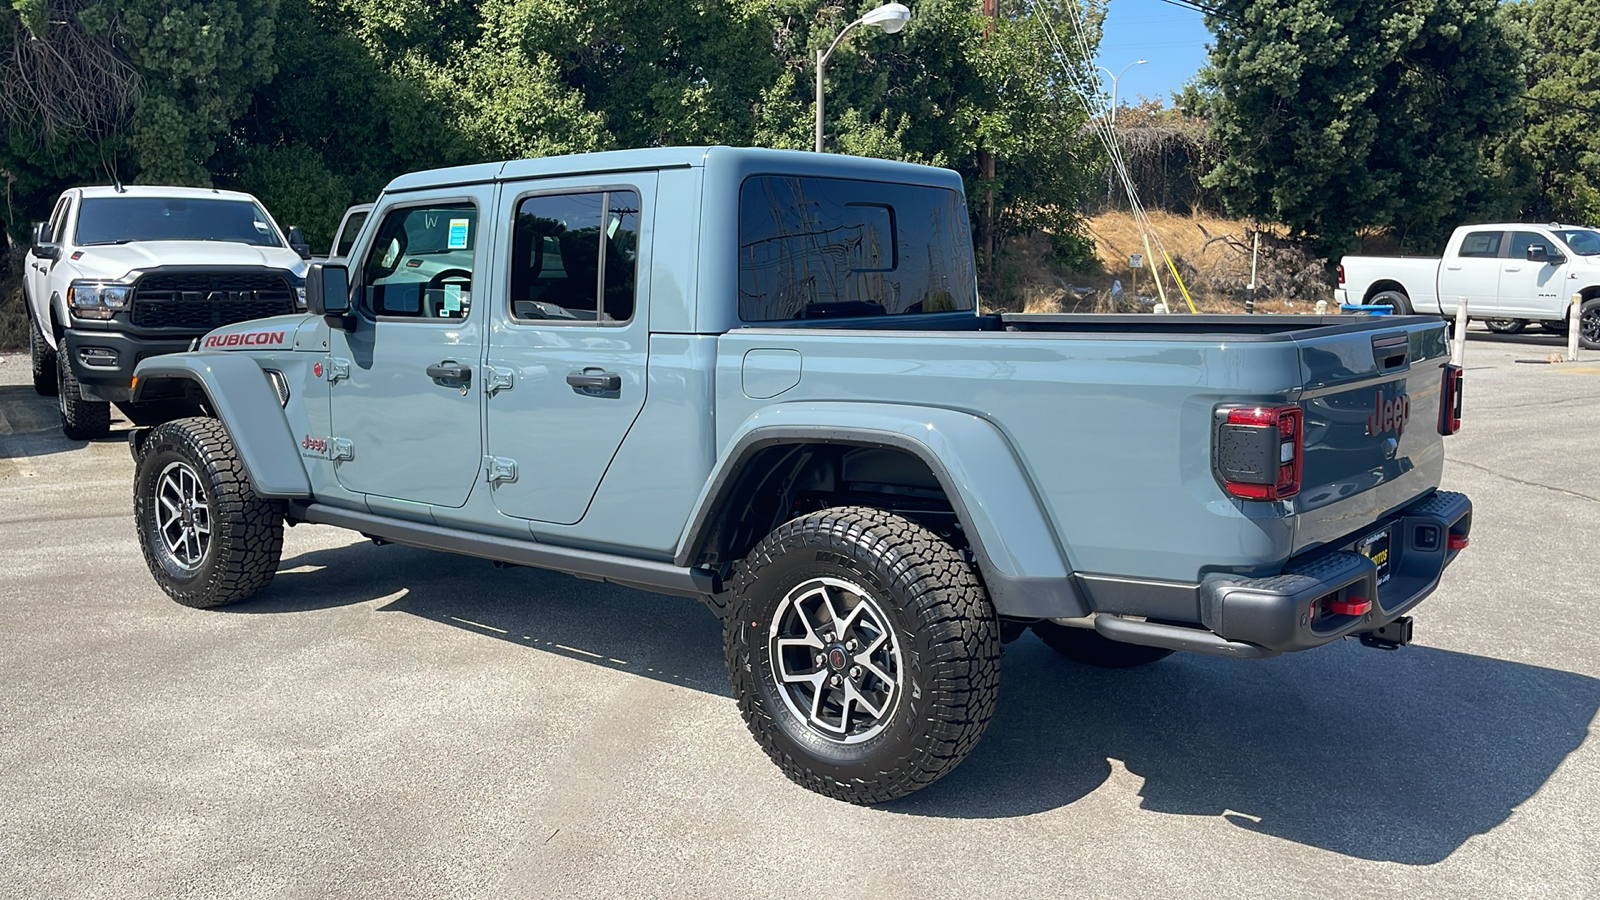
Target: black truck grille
<point>201,301</point>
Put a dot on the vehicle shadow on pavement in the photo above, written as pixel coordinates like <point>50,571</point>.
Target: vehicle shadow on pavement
<point>1533,337</point>
<point>1397,756</point>
<point>549,611</point>
<point>30,425</point>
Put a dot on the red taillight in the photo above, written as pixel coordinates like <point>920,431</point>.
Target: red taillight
<point>1450,400</point>
<point>1457,542</point>
<point>1341,273</point>
<point>1259,452</point>
<point>1351,606</point>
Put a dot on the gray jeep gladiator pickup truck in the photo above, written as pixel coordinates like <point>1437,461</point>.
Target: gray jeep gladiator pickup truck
<point>759,378</point>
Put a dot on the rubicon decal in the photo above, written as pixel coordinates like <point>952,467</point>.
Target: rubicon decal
<point>1389,414</point>
<point>246,339</point>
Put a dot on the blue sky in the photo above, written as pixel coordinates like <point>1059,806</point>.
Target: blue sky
<point>1171,38</point>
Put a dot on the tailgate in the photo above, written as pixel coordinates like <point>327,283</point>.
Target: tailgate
<point>1372,442</point>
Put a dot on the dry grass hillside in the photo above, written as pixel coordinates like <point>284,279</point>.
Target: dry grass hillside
<point>1212,256</point>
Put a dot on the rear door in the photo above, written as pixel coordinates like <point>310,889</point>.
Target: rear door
<point>566,364</point>
<point>1528,289</point>
<point>1371,401</point>
<point>1472,270</point>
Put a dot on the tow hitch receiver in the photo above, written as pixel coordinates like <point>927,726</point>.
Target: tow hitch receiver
<point>1392,636</point>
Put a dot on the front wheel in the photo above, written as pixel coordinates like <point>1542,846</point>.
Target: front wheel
<point>206,536</point>
<point>1589,324</point>
<point>81,420</point>
<point>43,357</point>
<point>1506,326</point>
<point>864,653</point>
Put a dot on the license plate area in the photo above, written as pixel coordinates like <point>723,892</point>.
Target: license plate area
<point>1376,547</point>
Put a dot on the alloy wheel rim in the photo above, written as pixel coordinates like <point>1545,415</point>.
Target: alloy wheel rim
<point>1589,326</point>
<point>836,660</point>
<point>183,515</point>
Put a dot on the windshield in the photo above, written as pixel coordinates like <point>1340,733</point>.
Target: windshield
<point>121,220</point>
<point>1583,242</point>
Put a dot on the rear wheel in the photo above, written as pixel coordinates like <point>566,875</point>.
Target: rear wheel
<point>1399,304</point>
<point>43,357</point>
<point>1589,324</point>
<point>1506,326</point>
<point>206,536</point>
<point>864,653</point>
<point>81,420</point>
<point>1090,647</point>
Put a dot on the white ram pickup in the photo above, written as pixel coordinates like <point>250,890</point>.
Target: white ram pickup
<point>123,273</point>
<point>1510,275</point>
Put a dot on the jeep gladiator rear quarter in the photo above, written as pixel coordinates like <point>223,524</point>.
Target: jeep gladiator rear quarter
<point>759,378</point>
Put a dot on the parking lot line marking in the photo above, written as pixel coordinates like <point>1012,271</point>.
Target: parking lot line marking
<point>480,625</point>
<point>1584,370</point>
<point>576,650</point>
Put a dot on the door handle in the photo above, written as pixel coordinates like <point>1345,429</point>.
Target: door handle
<point>451,372</point>
<point>603,382</point>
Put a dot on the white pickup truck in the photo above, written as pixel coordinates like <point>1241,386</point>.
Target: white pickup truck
<point>1510,275</point>
<point>122,273</point>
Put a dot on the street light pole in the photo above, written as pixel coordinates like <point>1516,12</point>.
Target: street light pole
<point>891,17</point>
<point>1116,78</point>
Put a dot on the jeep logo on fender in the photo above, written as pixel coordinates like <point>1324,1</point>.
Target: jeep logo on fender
<point>246,339</point>
<point>317,447</point>
<point>1389,415</point>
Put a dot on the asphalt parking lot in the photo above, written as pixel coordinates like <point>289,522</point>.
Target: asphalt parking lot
<point>387,722</point>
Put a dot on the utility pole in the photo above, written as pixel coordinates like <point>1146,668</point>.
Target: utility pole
<point>986,242</point>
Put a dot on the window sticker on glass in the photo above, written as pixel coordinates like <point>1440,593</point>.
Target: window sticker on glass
<point>452,299</point>
<point>458,234</point>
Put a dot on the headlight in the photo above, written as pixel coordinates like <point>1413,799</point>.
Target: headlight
<point>300,296</point>
<point>97,299</point>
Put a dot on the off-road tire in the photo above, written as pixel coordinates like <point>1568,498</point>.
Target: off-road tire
<point>245,531</point>
<point>934,606</point>
<point>1397,301</point>
<point>43,358</point>
<point>1589,324</point>
<point>1092,648</point>
<point>81,420</point>
<point>1506,326</point>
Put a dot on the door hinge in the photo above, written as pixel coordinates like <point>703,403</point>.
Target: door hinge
<point>338,369</point>
<point>501,469</point>
<point>341,448</point>
<point>497,380</point>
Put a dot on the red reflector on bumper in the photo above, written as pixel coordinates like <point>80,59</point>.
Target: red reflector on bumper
<point>1457,542</point>
<point>1355,606</point>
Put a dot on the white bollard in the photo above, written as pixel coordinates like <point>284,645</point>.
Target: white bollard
<point>1458,353</point>
<point>1159,309</point>
<point>1322,307</point>
<point>1574,317</point>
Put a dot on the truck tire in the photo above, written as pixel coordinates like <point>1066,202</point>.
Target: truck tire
<point>1506,326</point>
<point>43,359</point>
<point>206,536</point>
<point>1092,648</point>
<point>1395,300</point>
<point>864,653</point>
<point>81,420</point>
<point>1589,324</point>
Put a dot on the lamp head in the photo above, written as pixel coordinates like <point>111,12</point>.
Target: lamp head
<point>891,17</point>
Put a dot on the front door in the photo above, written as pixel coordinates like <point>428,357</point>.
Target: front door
<point>570,355</point>
<point>405,394</point>
<point>1528,289</point>
<point>38,273</point>
<point>1473,272</point>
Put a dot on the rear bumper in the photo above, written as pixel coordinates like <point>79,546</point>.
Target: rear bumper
<point>103,361</point>
<point>1288,612</point>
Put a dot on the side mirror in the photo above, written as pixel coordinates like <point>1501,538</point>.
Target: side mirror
<point>298,242</point>
<point>328,292</point>
<point>42,247</point>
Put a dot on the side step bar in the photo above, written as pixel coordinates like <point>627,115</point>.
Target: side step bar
<point>644,574</point>
<point>1176,637</point>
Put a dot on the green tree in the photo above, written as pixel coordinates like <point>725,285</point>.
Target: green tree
<point>1334,116</point>
<point>1557,152</point>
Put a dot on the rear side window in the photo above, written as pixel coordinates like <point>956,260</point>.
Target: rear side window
<point>575,257</point>
<point>1481,243</point>
<point>830,247</point>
